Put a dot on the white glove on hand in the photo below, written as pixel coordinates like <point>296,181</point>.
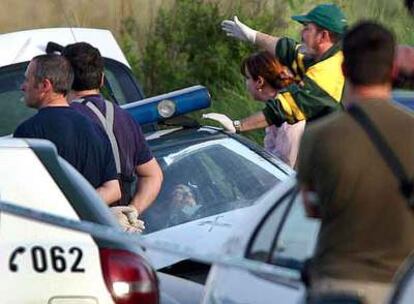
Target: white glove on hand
<point>226,122</point>
<point>127,217</point>
<point>238,30</point>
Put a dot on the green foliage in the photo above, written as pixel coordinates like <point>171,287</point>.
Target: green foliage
<point>185,45</point>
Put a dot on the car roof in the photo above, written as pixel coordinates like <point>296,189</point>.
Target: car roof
<point>10,142</point>
<point>22,46</point>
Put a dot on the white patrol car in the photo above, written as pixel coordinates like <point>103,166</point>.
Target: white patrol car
<point>222,174</point>
<point>44,258</point>
<point>40,263</point>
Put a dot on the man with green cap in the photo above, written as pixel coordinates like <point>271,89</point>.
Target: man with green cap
<point>316,61</point>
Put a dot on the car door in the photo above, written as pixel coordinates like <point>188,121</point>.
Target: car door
<point>403,292</point>
<point>283,240</point>
<point>40,263</point>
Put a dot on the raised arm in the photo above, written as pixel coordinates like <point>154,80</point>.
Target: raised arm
<point>235,28</point>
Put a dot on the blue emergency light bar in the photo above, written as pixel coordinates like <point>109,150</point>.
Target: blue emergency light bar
<point>161,107</point>
<point>403,97</point>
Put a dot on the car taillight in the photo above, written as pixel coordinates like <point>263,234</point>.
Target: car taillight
<point>128,277</point>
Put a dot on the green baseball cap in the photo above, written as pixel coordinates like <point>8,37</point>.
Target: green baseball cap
<point>327,16</point>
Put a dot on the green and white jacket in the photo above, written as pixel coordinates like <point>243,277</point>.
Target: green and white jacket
<point>319,91</point>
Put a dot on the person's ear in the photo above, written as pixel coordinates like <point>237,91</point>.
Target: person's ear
<point>46,85</point>
<point>325,36</point>
<point>260,83</point>
<point>102,80</point>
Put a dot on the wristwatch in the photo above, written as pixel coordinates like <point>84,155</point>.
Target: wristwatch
<point>237,125</point>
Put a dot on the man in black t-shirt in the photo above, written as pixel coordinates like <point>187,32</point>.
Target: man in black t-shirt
<point>82,143</point>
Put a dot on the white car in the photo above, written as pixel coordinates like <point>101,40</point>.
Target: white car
<point>20,47</point>
<point>277,234</point>
<point>41,263</point>
<point>226,174</point>
<point>120,87</point>
<point>213,182</point>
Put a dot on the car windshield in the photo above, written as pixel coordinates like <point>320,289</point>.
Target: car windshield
<point>208,178</point>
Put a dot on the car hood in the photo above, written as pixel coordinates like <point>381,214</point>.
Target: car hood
<point>205,236</point>
<point>22,46</point>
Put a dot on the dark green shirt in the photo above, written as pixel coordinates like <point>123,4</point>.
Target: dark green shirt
<point>367,229</point>
<point>319,91</point>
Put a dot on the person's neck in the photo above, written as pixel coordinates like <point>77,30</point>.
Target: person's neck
<point>54,101</point>
<point>357,94</point>
<point>79,94</point>
<point>268,93</point>
<point>323,49</point>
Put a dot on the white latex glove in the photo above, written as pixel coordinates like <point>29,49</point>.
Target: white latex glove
<point>127,217</point>
<point>226,122</point>
<point>234,28</point>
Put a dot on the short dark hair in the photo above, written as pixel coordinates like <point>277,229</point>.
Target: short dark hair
<point>267,66</point>
<point>369,50</point>
<point>87,64</point>
<point>56,69</point>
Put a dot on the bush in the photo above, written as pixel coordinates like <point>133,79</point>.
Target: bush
<point>186,46</point>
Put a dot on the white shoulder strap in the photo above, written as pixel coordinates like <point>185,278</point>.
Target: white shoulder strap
<point>108,125</point>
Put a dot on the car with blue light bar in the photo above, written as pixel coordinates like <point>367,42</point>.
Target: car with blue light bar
<point>211,178</point>
<point>99,284</point>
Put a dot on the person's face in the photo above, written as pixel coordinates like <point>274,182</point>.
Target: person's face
<point>311,37</point>
<point>254,87</point>
<point>183,196</point>
<point>30,88</point>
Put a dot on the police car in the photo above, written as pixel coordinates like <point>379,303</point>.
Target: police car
<point>53,266</point>
<point>403,292</point>
<point>210,177</point>
<point>280,237</point>
<point>41,263</point>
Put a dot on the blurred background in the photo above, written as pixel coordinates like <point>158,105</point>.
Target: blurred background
<point>172,44</point>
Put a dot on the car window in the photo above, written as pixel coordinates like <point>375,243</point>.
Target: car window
<point>12,105</point>
<point>287,237</point>
<point>208,178</point>
<point>119,85</point>
<point>263,240</point>
<point>298,236</point>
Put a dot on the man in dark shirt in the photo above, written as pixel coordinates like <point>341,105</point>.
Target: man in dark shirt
<point>139,173</point>
<point>366,223</point>
<point>48,79</point>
